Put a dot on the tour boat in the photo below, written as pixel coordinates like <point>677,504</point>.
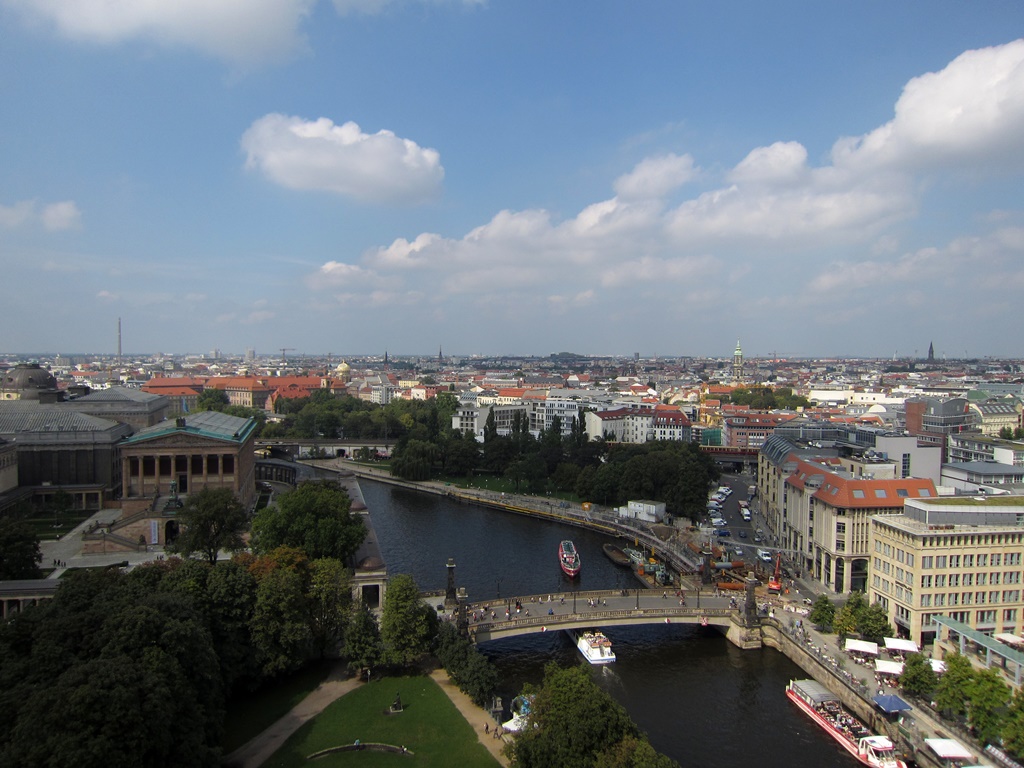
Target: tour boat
<point>569,558</point>
<point>520,713</point>
<point>824,708</point>
<point>595,647</point>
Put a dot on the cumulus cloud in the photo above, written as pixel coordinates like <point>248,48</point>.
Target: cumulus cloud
<point>64,215</point>
<point>240,31</point>
<point>970,111</point>
<point>656,177</point>
<point>319,155</point>
<point>645,247</point>
<point>53,217</point>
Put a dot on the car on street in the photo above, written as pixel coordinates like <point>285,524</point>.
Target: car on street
<point>724,532</point>
<point>743,534</point>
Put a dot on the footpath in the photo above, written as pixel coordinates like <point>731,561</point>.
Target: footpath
<point>258,750</point>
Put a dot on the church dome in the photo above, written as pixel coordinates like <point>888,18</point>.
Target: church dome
<point>28,380</point>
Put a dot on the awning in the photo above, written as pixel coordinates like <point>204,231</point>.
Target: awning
<point>949,749</point>
<point>1014,641</point>
<point>862,646</point>
<point>890,703</point>
<point>899,644</point>
<point>888,667</point>
<point>938,666</point>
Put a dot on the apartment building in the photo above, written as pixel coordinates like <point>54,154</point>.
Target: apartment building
<point>959,557</point>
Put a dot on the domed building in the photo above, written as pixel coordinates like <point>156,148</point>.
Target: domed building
<point>29,381</point>
<point>343,371</point>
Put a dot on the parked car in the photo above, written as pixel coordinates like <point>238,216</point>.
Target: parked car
<point>743,534</point>
<point>724,532</point>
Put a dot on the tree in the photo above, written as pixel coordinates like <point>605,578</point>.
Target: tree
<point>212,400</point>
<point>845,622</point>
<point>407,625</point>
<point>211,520</point>
<point>952,688</point>
<point>363,647</point>
<point>1013,729</point>
<point>633,752</point>
<point>280,623</point>
<point>986,712</point>
<point>873,623</point>
<point>918,678</point>
<point>315,517</point>
<point>823,613</point>
<point>575,721</point>
<point>329,600</point>
<point>19,551</point>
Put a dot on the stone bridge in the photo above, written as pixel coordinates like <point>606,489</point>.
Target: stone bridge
<point>497,619</point>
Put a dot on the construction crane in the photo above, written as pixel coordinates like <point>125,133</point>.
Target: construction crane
<point>284,350</point>
<point>774,583</point>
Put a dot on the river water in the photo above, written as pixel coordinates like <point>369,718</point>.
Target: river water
<point>701,700</point>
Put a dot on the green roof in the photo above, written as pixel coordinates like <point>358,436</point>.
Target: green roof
<point>211,424</point>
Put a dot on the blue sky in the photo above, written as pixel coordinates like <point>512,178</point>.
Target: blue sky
<point>512,177</point>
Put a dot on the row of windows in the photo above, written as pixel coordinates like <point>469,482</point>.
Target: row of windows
<point>970,579</point>
<point>994,560</point>
<point>970,598</point>
<point>982,618</point>
<point>973,540</point>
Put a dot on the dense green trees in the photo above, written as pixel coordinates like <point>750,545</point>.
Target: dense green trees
<point>918,678</point>
<point>579,725</point>
<point>315,517</point>
<point>19,550</point>
<point>823,613</point>
<point>407,624</point>
<point>211,520</point>
<point>466,666</point>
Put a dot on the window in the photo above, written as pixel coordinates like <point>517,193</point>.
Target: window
<point>940,561</point>
<point>979,598</point>
<point>926,582</point>
<point>926,562</point>
<point>982,561</point>
<point>981,579</point>
<point>968,579</point>
<point>954,561</point>
<point>993,579</point>
<point>996,560</point>
<point>1010,616</point>
<point>880,493</point>
<point>910,560</point>
<point>926,601</point>
<point>968,598</point>
<point>858,493</point>
<point>940,600</point>
<point>1011,577</point>
<point>940,580</point>
<point>954,579</point>
<point>902,492</point>
<point>1012,558</point>
<point>954,598</point>
<point>986,617</point>
<point>840,528</point>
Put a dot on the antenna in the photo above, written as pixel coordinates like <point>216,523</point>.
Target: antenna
<point>284,351</point>
<point>119,343</point>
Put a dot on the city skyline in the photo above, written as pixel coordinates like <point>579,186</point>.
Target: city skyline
<point>513,179</point>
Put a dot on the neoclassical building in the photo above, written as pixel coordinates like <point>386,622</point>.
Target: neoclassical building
<point>201,450</point>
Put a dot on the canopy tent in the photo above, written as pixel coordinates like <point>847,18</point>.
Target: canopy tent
<point>949,749</point>
<point>900,645</point>
<point>890,703</point>
<point>862,646</point>
<point>888,667</point>
<point>938,666</point>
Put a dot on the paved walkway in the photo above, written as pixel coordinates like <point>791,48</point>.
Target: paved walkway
<point>259,749</point>
<point>475,716</point>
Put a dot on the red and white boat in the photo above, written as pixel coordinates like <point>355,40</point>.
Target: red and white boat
<point>569,558</point>
<point>823,706</point>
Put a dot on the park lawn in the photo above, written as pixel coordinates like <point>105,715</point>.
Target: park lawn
<point>249,714</point>
<point>431,727</point>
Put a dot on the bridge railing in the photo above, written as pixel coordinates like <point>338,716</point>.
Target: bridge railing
<point>499,625</point>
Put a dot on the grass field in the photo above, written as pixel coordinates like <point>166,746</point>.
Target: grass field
<point>251,713</point>
<point>431,728</point>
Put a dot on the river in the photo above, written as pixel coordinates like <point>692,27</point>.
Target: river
<point>701,700</point>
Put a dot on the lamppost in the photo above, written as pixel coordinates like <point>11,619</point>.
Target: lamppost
<point>574,602</point>
<point>499,588</point>
<point>638,599</point>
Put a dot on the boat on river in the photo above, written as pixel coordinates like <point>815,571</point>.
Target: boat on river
<point>520,709</point>
<point>595,647</point>
<point>569,558</point>
<point>616,555</point>
<point>825,709</point>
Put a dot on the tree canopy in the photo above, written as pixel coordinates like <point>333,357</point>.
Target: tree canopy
<point>315,517</point>
<point>211,520</point>
<point>19,550</point>
<point>407,625</point>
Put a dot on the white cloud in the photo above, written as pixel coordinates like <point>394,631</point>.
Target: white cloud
<point>108,297</point>
<point>319,155</point>
<point>240,31</point>
<point>12,216</point>
<point>656,177</point>
<point>782,162</point>
<point>54,217</point>
<point>64,215</point>
<point>969,112</point>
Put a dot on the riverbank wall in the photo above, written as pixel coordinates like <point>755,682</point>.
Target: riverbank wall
<point>816,663</point>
